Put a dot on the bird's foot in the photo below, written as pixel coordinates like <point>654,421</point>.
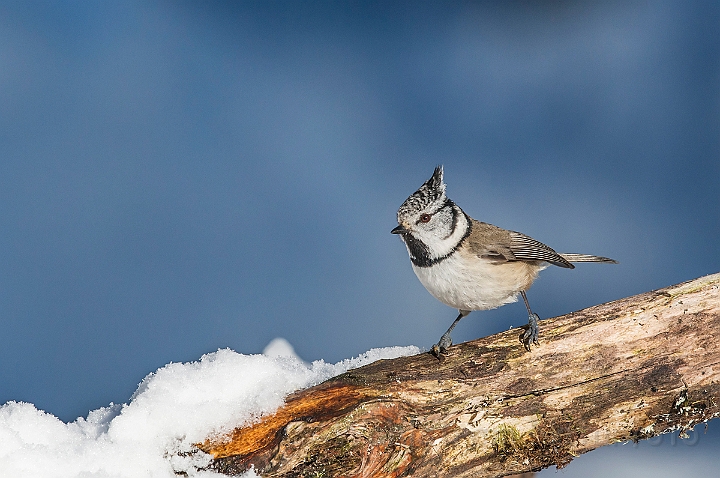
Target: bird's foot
<point>531,334</point>
<point>441,347</point>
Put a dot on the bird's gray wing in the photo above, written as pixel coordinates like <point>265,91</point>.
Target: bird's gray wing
<point>490,242</point>
<point>525,248</point>
<point>500,245</point>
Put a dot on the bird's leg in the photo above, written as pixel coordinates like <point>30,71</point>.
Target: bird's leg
<point>530,337</point>
<point>446,341</point>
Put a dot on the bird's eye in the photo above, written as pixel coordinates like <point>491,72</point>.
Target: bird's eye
<point>425,218</point>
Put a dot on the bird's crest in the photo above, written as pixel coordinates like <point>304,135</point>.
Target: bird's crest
<point>431,193</point>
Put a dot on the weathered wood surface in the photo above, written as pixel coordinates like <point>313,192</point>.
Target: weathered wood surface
<point>625,370</point>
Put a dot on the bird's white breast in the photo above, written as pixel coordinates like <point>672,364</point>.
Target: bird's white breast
<point>467,282</point>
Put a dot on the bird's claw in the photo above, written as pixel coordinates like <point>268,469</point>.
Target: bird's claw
<point>531,334</point>
<point>441,347</point>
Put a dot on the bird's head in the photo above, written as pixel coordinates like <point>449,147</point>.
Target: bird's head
<point>429,222</point>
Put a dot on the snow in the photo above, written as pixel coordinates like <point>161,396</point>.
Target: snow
<point>176,406</point>
<point>279,347</point>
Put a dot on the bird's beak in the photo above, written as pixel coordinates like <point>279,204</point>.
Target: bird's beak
<point>399,230</point>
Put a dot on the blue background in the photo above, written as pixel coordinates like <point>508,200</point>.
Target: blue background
<point>178,177</point>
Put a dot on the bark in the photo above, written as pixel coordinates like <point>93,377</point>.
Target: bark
<point>625,370</point>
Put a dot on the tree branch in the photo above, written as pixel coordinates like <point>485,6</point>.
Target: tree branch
<point>625,370</point>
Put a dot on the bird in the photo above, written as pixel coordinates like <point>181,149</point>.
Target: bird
<point>472,265</point>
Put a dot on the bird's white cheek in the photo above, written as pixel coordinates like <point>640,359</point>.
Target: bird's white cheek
<point>442,241</point>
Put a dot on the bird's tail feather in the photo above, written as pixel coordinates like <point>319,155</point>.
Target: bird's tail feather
<point>587,258</point>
